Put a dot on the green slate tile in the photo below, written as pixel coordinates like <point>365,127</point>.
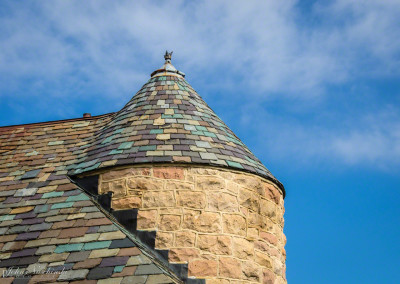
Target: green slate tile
<point>62,205</point>
<point>234,164</point>
<point>125,145</point>
<point>116,151</point>
<point>53,194</point>
<point>6,217</point>
<point>118,268</point>
<point>147,148</point>
<point>156,131</point>
<point>79,197</point>
<point>201,128</point>
<point>97,245</point>
<point>209,134</point>
<point>68,247</point>
<point>108,139</point>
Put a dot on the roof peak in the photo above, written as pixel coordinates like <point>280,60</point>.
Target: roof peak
<point>168,56</point>
<point>167,68</point>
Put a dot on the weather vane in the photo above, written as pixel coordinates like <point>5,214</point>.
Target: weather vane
<point>168,56</point>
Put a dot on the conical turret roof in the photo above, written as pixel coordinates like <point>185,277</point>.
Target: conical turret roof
<point>166,121</point>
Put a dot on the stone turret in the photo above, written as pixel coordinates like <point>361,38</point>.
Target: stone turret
<point>211,202</point>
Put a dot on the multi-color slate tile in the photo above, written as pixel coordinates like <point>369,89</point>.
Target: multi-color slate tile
<point>47,223</point>
<point>167,122</point>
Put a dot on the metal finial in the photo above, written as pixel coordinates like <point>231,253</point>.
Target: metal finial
<point>168,56</point>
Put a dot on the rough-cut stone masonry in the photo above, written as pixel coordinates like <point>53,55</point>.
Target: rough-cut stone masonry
<point>227,225</point>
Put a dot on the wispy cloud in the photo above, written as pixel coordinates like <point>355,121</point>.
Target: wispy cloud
<point>270,45</point>
<point>370,140</point>
<point>69,54</point>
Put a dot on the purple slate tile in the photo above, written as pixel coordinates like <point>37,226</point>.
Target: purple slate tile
<point>93,229</point>
<point>24,261</point>
<point>24,252</point>
<point>12,200</point>
<point>27,236</point>
<point>34,197</point>
<point>32,221</point>
<point>72,192</point>
<point>114,261</point>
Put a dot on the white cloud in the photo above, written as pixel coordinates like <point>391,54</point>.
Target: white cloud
<point>101,50</point>
<point>269,45</point>
<point>369,140</point>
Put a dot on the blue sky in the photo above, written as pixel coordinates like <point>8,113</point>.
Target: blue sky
<point>313,88</point>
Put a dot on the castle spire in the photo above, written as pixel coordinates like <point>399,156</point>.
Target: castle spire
<point>168,56</point>
<point>167,68</point>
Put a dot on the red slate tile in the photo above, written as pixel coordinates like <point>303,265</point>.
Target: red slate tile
<point>49,234</point>
<point>129,251</point>
<point>100,221</point>
<point>63,224</point>
<point>88,263</point>
<point>73,232</point>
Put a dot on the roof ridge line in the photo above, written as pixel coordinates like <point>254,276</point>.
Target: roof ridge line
<point>59,121</point>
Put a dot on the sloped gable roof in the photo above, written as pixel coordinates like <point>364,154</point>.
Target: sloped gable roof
<point>48,222</point>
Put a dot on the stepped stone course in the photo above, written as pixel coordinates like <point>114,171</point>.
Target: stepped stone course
<point>226,225</point>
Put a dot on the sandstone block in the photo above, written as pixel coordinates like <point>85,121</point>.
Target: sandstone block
<point>164,240</point>
<point>230,267</point>
<point>272,193</point>
<point>205,222</point>
<point>182,255</point>
<point>220,201</point>
<point>263,259</point>
<point>243,248</point>
<point>226,175</point>
<point>176,185</point>
<point>252,183</point>
<point>118,187</point>
<point>251,271</point>
<point>105,187</point>
<point>111,175</point>
<point>232,187</point>
<point>185,239</point>
<point>169,222</point>
<point>118,174</point>
<point>278,267</point>
<point>203,268</point>
<point>261,245</point>
<point>249,200</point>
<point>234,224</point>
<point>146,219</point>
<point>214,244</point>
<point>209,183</point>
<point>169,173</point>
<point>268,277</point>
<point>218,281</point>
<point>268,209</point>
<point>192,199</point>
<point>270,238</point>
<point>252,233</point>
<point>144,183</point>
<point>173,211</point>
<point>204,171</point>
<point>158,199</point>
<point>127,203</point>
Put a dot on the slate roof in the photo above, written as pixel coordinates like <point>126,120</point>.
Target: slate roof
<point>46,221</point>
<point>166,121</point>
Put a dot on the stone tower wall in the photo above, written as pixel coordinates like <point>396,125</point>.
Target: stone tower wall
<point>227,225</point>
